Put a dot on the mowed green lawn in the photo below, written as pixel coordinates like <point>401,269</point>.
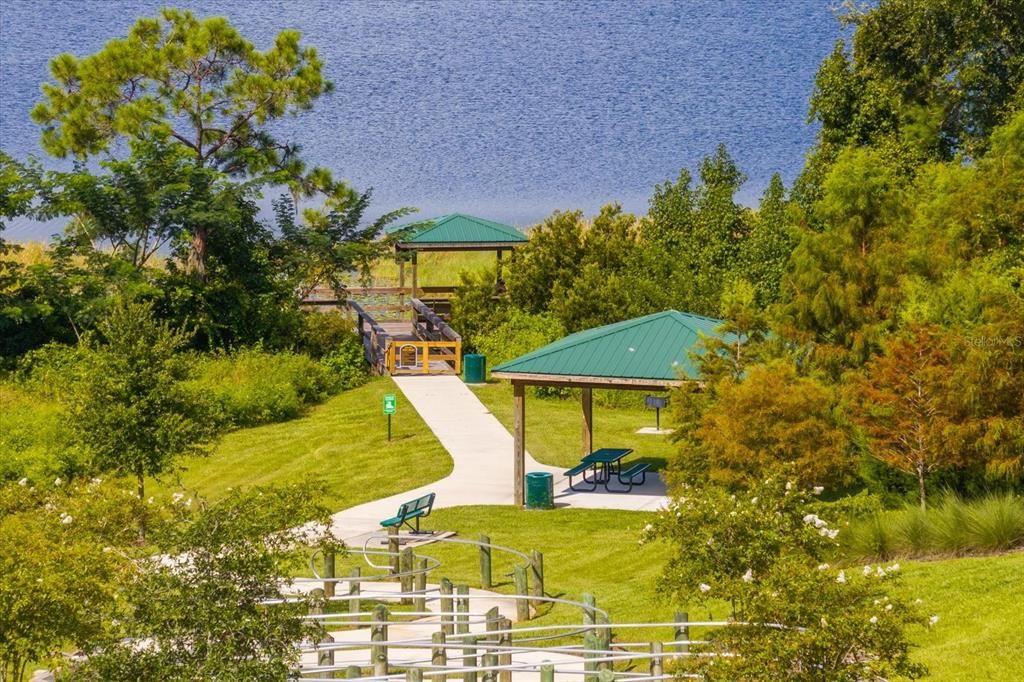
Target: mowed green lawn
<point>341,442</point>
<point>980,634</point>
<point>554,427</point>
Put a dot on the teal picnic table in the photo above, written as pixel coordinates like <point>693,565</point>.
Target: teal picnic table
<point>605,462</point>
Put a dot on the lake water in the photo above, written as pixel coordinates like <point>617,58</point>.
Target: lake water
<point>507,110</point>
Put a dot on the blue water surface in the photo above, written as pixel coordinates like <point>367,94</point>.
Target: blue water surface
<point>507,110</point>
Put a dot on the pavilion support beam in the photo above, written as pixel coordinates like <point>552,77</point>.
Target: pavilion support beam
<point>415,294</point>
<point>587,398</point>
<point>519,447</point>
<point>401,282</point>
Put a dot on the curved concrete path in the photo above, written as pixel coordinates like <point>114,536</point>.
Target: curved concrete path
<point>481,449</point>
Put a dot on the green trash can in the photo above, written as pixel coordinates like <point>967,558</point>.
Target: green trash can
<point>540,490</point>
<point>474,368</point>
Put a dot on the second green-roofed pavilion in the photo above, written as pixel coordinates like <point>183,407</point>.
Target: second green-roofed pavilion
<point>652,353</point>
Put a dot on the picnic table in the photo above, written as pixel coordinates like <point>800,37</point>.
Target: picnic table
<point>603,464</point>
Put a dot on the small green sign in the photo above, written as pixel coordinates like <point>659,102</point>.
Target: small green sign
<point>390,403</point>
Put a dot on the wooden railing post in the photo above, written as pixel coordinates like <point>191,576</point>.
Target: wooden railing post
<point>329,583</point>
<point>485,563</point>
<point>393,556</point>
<point>447,607</point>
<point>353,590</point>
<point>462,609</point>
<point>537,579</point>
<point>681,631</point>
<point>438,655</point>
<point>505,642</point>
<point>657,668</point>
<point>420,600</point>
<point>378,639</point>
<point>522,594</point>
<point>405,567</point>
<point>469,659</point>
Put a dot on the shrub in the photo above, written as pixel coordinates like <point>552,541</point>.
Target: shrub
<point>322,334</point>
<point>799,619</point>
<point>252,386</point>
<point>346,362</point>
<point>990,524</point>
<point>517,335</point>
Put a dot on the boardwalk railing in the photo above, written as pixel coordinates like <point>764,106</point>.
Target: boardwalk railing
<point>375,339</point>
<point>436,350</point>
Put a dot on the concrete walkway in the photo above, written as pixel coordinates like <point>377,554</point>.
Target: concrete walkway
<point>481,449</point>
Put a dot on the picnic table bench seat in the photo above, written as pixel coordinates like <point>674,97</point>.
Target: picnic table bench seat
<point>581,470</point>
<point>413,510</point>
<point>629,476</point>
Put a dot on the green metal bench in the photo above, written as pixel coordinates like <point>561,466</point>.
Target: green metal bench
<point>581,470</point>
<point>411,511</point>
<point>629,476</point>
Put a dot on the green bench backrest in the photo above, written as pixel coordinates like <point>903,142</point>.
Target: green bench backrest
<point>414,506</point>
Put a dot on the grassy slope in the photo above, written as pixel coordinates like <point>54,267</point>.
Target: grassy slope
<point>553,427</point>
<point>342,442</point>
<point>979,635</point>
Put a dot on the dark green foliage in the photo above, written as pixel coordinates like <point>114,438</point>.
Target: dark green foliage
<point>476,307</point>
<point>764,254</point>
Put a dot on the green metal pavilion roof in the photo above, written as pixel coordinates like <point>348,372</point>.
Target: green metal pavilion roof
<point>655,348</point>
<point>459,229</point>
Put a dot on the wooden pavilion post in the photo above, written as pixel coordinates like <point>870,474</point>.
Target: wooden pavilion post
<point>414,279</point>
<point>587,397</point>
<point>401,282</point>
<point>519,448</point>
<point>497,269</point>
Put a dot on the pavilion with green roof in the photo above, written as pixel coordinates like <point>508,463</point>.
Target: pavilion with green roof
<point>650,353</point>
<point>457,232</point>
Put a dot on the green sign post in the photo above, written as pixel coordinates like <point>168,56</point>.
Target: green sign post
<point>390,406</point>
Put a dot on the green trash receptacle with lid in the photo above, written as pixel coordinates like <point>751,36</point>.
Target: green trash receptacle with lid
<point>540,490</point>
<point>474,368</point>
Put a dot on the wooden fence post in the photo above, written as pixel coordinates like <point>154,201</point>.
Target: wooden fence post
<point>537,579</point>
<point>589,612</point>
<point>353,591</point>
<point>657,668</point>
<point>414,675</point>
<point>681,631</point>
<point>485,563</point>
<point>438,655</point>
<point>462,607</point>
<point>606,675</point>
<point>604,636</point>
<point>353,671</point>
<point>547,672</point>
<point>420,600</point>
<point>505,641</point>
<point>329,584</point>
<point>489,661</point>
<point>522,594</point>
<point>378,639</point>
<point>405,564</point>
<point>393,549</point>
<point>491,622</point>
<point>469,659</point>
<point>590,647</point>
<point>447,607</point>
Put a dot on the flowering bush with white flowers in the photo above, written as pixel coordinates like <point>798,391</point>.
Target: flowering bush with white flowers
<point>766,552</point>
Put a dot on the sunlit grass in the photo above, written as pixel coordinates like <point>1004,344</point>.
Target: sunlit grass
<point>978,636</point>
<point>341,443</point>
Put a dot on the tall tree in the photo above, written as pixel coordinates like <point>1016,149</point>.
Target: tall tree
<point>841,292</point>
<point>197,83</point>
<point>698,232</point>
<point>765,253</point>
